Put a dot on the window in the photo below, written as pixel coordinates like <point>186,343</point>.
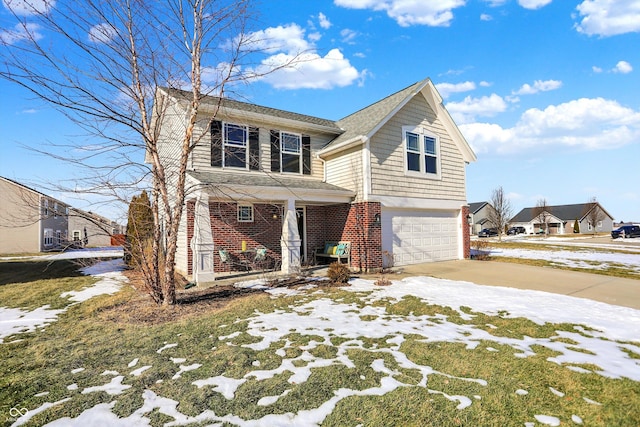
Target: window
<point>245,213</point>
<point>48,237</point>
<point>235,146</point>
<point>291,152</point>
<point>421,149</point>
<point>55,210</point>
<point>58,237</point>
<point>46,208</point>
<point>76,235</point>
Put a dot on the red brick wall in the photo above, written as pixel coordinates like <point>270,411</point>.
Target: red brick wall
<point>365,235</point>
<point>466,237</point>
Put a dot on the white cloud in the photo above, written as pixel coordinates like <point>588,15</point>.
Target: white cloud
<point>608,17</point>
<point>446,89</point>
<point>434,13</point>
<point>533,4</point>
<point>324,21</point>
<point>596,69</point>
<point>102,33</point>
<point>19,33</point>
<point>310,71</point>
<point>538,86</point>
<point>623,67</point>
<point>348,36</point>
<point>485,84</point>
<point>289,38</point>
<point>28,7</point>
<point>588,123</point>
<point>485,17</point>
<point>470,108</point>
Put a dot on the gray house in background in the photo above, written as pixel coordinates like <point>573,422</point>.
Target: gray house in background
<point>91,230</point>
<point>560,219</point>
<point>30,221</point>
<point>479,213</point>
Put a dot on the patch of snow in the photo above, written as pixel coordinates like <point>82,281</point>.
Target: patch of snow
<point>576,419</point>
<point>33,412</point>
<point>77,370</point>
<point>184,369</point>
<point>139,371</point>
<point>521,392</point>
<point>72,387</point>
<point>15,320</point>
<point>177,360</point>
<point>223,385</point>
<point>547,420</point>
<point>593,402</point>
<point>556,392</point>
<point>44,393</point>
<point>133,363</point>
<point>166,346</point>
<point>114,387</point>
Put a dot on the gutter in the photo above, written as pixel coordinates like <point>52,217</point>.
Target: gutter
<point>350,143</point>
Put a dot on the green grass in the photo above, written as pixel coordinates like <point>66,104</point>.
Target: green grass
<point>102,334</point>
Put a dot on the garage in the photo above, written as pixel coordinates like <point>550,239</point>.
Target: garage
<point>415,236</point>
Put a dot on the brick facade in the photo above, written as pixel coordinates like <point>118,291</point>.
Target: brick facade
<point>466,232</point>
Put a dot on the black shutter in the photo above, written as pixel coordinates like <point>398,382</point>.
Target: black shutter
<point>306,155</point>
<point>275,151</point>
<point>216,143</point>
<point>254,149</point>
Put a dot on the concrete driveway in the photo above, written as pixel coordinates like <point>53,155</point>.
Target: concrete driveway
<point>608,289</point>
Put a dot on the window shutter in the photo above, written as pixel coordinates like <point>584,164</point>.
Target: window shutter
<point>306,154</point>
<point>254,149</point>
<point>275,151</point>
<point>216,143</point>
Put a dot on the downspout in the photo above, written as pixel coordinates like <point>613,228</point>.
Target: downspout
<point>324,168</point>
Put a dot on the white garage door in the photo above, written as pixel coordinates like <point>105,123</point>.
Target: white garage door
<point>415,236</point>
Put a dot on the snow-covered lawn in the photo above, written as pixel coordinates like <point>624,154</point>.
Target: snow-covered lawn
<point>600,346</point>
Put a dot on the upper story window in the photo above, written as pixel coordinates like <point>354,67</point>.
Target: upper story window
<point>290,152</point>
<point>234,146</point>
<point>46,208</point>
<point>55,210</point>
<point>421,151</point>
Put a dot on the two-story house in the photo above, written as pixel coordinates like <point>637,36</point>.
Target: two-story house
<point>30,221</point>
<point>389,179</point>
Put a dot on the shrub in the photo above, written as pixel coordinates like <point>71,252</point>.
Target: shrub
<point>382,281</point>
<point>480,250</point>
<point>338,273</point>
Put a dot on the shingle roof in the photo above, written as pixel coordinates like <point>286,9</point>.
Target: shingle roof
<point>253,108</point>
<point>564,212</point>
<point>224,178</point>
<point>362,122</point>
<point>476,206</point>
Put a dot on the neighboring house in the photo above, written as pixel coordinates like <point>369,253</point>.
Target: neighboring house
<point>91,230</point>
<point>479,214</point>
<point>389,179</point>
<point>29,220</point>
<point>561,219</point>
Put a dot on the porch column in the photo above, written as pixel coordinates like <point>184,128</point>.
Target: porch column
<point>202,241</point>
<point>290,240</point>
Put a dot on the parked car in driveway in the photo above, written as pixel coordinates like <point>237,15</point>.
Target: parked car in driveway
<point>626,231</point>
<point>488,232</point>
<point>516,230</point>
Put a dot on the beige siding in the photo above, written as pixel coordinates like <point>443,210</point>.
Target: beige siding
<point>201,157</point>
<point>388,163</point>
<point>345,170</point>
<point>182,260</point>
<point>19,219</point>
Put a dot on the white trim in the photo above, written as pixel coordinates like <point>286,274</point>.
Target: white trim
<point>414,203</point>
<point>366,170</point>
<point>251,211</point>
<point>421,132</point>
<point>344,145</point>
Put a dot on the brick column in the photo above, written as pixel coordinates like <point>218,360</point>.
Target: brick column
<point>466,232</point>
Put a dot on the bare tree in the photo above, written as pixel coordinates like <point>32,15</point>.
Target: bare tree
<point>500,215</point>
<point>594,213</point>
<point>542,214</point>
<point>101,64</point>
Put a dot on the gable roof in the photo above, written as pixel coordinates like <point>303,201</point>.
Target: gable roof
<point>27,188</point>
<point>476,206</point>
<point>564,212</point>
<point>230,106</point>
<point>363,124</point>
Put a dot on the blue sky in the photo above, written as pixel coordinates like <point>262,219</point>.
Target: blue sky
<point>545,91</point>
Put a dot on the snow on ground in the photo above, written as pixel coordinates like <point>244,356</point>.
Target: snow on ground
<point>326,319</point>
<point>581,259</point>
<point>15,320</point>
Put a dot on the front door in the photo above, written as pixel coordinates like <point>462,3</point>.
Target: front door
<point>300,213</point>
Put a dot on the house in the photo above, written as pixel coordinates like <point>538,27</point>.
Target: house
<point>561,219</point>
<point>89,229</point>
<point>479,216</point>
<point>389,179</point>
<point>31,221</point>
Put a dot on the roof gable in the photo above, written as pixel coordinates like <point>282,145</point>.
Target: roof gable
<point>563,212</point>
<point>363,124</point>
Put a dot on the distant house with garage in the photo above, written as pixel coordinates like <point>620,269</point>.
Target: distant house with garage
<point>561,219</point>
<point>88,229</point>
<point>30,221</point>
<point>479,216</point>
<point>389,179</point>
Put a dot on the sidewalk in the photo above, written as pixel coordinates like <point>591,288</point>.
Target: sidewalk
<point>608,289</point>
